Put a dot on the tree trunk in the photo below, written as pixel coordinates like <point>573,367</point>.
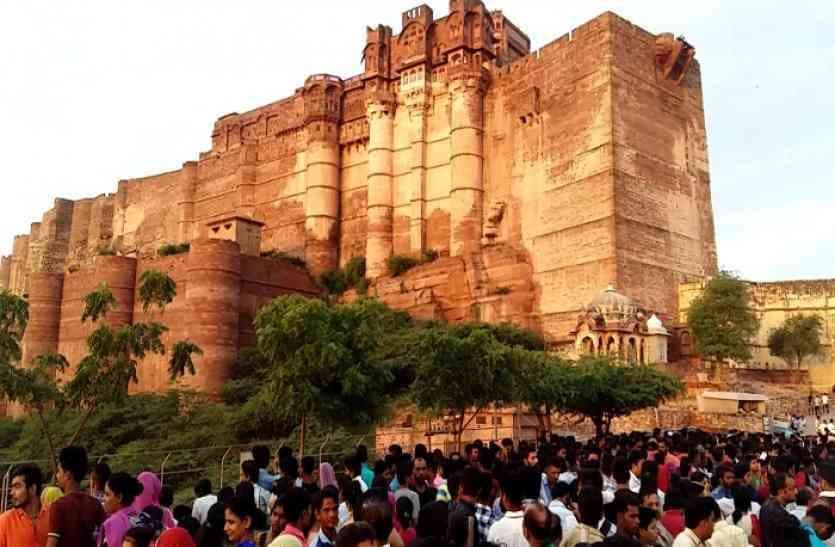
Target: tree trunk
<point>548,424</point>
<point>302,432</point>
<point>53,457</point>
<point>83,423</point>
<point>598,425</point>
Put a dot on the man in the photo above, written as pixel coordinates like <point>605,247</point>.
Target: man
<point>826,473</point>
<point>366,472</point>
<point>484,515</point>
<point>420,479</point>
<point>774,513</point>
<point>405,470</point>
<point>377,512</point>
<point>464,508</point>
<point>309,480</point>
<point>727,479</point>
<point>75,518</point>
<point>261,455</point>
<point>698,519</point>
<point>353,469</point>
<point>549,481</point>
<point>724,533</point>
<point>204,499</point>
<point>590,505</point>
<point>508,531</point>
<point>295,517</point>
<point>326,512</point>
<point>559,506</point>
<point>250,473</point>
<point>636,462</point>
<point>529,457</point>
<point>27,523</point>
<point>358,534</point>
<point>626,514</point>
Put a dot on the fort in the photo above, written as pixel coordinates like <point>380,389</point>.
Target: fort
<point>539,178</point>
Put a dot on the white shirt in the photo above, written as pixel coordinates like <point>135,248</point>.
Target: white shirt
<point>363,486</point>
<point>567,518</point>
<point>634,483</point>
<point>201,506</point>
<point>727,535</point>
<point>262,498</point>
<point>688,539</point>
<point>508,531</point>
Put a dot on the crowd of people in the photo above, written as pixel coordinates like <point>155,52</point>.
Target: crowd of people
<point>665,489</point>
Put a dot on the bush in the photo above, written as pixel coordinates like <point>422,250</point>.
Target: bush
<point>336,282</point>
<point>355,270</point>
<point>285,258</point>
<point>333,282</point>
<point>173,249</point>
<point>429,255</point>
<point>399,264</point>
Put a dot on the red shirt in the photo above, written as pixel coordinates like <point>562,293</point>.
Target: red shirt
<point>74,520</point>
<point>673,521</point>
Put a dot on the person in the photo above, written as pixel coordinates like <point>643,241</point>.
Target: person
<point>204,499</point>
<point>98,478</point>
<point>75,517</point>
<point>261,496</point>
<point>405,472</point>
<point>744,517</point>
<point>590,506</point>
<point>462,511</point>
<point>175,537</point>
<point>636,462</point>
<point>540,527</point>
<point>821,521</point>
<point>327,476</point>
<point>151,490</point>
<point>326,512</point>
<point>239,521</point>
<point>727,479</point>
<point>403,513</point>
<point>550,477</point>
<point>825,403</point>
<point>725,534</point>
<point>211,533</point>
<point>366,472</point>
<point>626,512</point>
<point>119,492</point>
<point>294,505</point>
<point>432,525</point>
<point>774,511</point>
<point>309,481</point>
<point>508,530</point>
<point>376,511</point>
<point>138,536</point>
<point>50,495</point>
<point>358,534</point>
<point>26,524</point>
<point>801,503</point>
<point>261,456</point>
<point>698,521</point>
<point>559,506</point>
<point>420,478</point>
<point>354,470</point>
<point>648,527</point>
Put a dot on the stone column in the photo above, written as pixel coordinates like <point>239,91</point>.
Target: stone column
<point>321,205</point>
<point>213,294</point>
<point>467,159</point>
<point>380,111</point>
<point>418,108</point>
<point>246,180</point>
<point>45,292</point>
<point>5,273</point>
<point>185,202</point>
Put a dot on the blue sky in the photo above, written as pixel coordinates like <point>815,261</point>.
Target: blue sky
<point>94,91</point>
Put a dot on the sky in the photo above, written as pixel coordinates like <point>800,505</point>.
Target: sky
<point>94,91</point>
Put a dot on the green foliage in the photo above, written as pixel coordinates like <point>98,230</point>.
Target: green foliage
<point>797,338</point>
<point>333,282</point>
<point>156,288</point>
<point>355,271</point>
<point>324,361</point>
<point>98,303</point>
<point>337,282</point>
<point>285,258</point>
<point>173,249</point>
<point>182,358</point>
<point>602,389</point>
<point>14,316</point>
<point>721,319</point>
<point>399,264</point>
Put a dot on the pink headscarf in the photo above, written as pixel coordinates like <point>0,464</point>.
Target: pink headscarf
<point>327,477</point>
<point>151,488</point>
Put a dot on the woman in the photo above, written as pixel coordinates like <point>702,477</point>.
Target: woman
<point>743,517</point>
<point>239,522</point>
<point>647,527</point>
<point>175,537</point>
<point>151,489</point>
<point>327,476</point>
<point>403,512</point>
<point>120,491</point>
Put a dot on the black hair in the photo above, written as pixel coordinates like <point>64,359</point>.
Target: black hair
<point>404,469</point>
<point>284,452</point>
<point>166,496</point>
<point>513,484</point>
<point>804,496</point>
<point>433,520</point>
<point>261,455</point>
<point>376,511</point>
<point>190,525</point>
<point>645,517</point>
<point>352,464</point>
<point>821,513</point>
<point>225,495</point>
<point>180,512</point>
<point>777,483</point>
<point>126,486</point>
<point>308,465</point>
<point>590,505</point>
<point>295,502</point>
<point>471,481</point>
<point>328,492</point>
<point>351,535</point>
<point>243,507</point>
<point>250,470</point>
<point>362,453</point>
<point>102,472</point>
<point>31,474</point>
<point>73,460</point>
<point>698,510</point>
<point>289,466</point>
<point>141,535</point>
<point>404,508</point>
<point>742,502</point>
<point>625,499</point>
<point>203,488</point>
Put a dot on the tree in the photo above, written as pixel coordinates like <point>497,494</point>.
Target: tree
<point>721,319</point>
<point>541,383</point>
<point>799,337</point>
<point>327,362</point>
<point>104,375</point>
<point>602,389</point>
<point>458,368</point>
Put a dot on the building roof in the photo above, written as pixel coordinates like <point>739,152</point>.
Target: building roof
<point>610,299</point>
<point>734,396</point>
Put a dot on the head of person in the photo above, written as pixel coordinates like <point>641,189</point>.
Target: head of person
<point>636,462</point>
<point>727,477</point>
<point>782,488</point>
<point>590,506</point>
<point>25,486</point>
<point>627,507</point>
<point>362,454</point>
<point>120,491</point>
<point>804,497</point>
<point>647,526</point>
<point>249,471</point>
<point>101,472</point>
<point>742,502</point>
<point>308,467</point>
<point>698,517</point>
<point>376,511</point>
<point>295,503</point>
<point>650,500</point>
<point>470,484</point>
<point>404,509</point>
<point>405,471</point>
<point>203,488</point>
<point>540,526</point>
<point>421,472</point>
<point>513,487</point>
<point>820,518</point>
<point>72,467</point>
<point>432,521</point>
<point>239,519</point>
<point>261,456</point>
<point>357,534</point>
<point>529,457</point>
<point>552,473</point>
<point>176,537</point>
<point>352,466</point>
<point>289,467</point>
<point>826,472</point>
<point>326,508</point>
<point>50,495</point>
<point>166,496</point>
<point>138,536</point>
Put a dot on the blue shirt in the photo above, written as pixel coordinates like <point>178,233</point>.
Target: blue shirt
<point>367,474</point>
<point>265,480</point>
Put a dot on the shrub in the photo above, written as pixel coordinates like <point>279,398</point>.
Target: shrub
<point>285,258</point>
<point>173,249</point>
<point>399,264</point>
<point>355,270</point>
<point>333,282</point>
<point>429,255</point>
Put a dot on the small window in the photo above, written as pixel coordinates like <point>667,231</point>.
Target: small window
<point>481,420</point>
<point>497,420</point>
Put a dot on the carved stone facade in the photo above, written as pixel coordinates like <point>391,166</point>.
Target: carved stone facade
<point>539,178</point>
